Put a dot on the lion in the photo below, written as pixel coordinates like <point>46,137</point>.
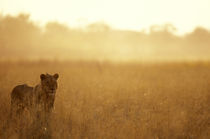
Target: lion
<point>38,100</point>
<point>41,96</point>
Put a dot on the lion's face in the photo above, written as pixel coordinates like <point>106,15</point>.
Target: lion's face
<point>49,83</point>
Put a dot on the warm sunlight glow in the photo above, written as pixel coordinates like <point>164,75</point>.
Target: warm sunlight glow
<point>123,14</point>
<point>111,69</point>
<point>115,30</point>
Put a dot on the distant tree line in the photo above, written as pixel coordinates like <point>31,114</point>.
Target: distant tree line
<point>21,38</point>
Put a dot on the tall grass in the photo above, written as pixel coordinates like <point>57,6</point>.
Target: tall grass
<point>103,100</point>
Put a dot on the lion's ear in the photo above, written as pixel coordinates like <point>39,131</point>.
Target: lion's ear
<point>42,76</point>
<point>56,76</point>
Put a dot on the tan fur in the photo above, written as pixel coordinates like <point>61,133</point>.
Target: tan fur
<point>36,99</point>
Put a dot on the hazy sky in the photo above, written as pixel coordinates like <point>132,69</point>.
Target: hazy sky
<point>123,14</point>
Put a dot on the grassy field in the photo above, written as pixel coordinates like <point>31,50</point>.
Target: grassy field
<point>119,101</point>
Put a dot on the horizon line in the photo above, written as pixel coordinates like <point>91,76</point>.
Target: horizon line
<point>147,30</point>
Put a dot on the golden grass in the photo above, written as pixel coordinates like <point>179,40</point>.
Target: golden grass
<point>126,101</point>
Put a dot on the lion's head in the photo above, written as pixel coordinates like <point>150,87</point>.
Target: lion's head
<point>49,83</point>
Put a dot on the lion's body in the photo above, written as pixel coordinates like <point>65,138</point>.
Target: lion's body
<point>38,100</point>
<point>22,95</point>
<point>35,99</point>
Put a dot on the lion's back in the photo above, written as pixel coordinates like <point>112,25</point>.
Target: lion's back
<point>21,93</point>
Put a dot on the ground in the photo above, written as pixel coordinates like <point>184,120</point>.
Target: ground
<point>106,100</point>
